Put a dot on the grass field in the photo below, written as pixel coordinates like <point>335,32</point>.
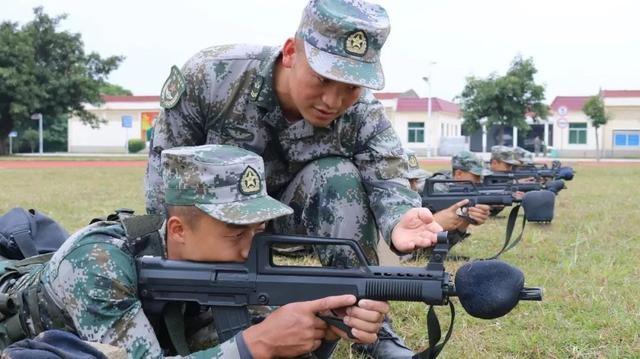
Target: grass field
<point>587,261</point>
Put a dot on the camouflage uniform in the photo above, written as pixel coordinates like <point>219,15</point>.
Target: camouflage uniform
<point>341,180</point>
<point>504,154</point>
<point>89,286</point>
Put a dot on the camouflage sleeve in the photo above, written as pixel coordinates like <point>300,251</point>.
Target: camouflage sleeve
<point>182,125</point>
<point>383,168</point>
<point>98,285</point>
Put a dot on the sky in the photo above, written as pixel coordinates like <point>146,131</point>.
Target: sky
<point>578,47</point>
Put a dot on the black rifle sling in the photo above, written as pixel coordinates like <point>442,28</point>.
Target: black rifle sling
<point>434,334</point>
<point>174,321</point>
<point>511,222</point>
<point>230,320</point>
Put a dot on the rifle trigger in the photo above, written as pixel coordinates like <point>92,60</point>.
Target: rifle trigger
<point>338,323</point>
<point>463,213</point>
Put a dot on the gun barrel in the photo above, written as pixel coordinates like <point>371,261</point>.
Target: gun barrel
<point>531,294</point>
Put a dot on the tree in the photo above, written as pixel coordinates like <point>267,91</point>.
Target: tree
<point>31,138</point>
<point>47,71</point>
<point>503,100</point>
<point>594,109</point>
<point>114,90</point>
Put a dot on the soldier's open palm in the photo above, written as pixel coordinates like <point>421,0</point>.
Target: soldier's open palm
<point>416,229</point>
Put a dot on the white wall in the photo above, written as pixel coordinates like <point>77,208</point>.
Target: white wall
<point>452,126</point>
<point>110,137</point>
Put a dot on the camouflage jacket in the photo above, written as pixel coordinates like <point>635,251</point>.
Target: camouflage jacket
<point>89,287</point>
<point>229,99</point>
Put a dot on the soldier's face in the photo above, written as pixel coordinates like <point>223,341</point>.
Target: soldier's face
<point>211,240</point>
<point>466,176</point>
<point>500,166</point>
<point>317,99</point>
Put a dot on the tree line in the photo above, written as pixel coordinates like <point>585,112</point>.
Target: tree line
<point>46,70</point>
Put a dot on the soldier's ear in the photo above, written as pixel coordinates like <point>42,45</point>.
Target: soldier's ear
<point>289,52</point>
<point>176,230</point>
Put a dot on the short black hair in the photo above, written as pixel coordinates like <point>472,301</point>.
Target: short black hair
<point>191,215</point>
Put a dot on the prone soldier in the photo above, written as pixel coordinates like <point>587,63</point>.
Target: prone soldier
<point>503,159</point>
<point>464,166</point>
<point>215,200</point>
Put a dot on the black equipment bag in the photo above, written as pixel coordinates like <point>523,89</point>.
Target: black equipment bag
<point>27,233</point>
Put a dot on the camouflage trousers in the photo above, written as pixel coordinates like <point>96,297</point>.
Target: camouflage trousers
<point>329,200</point>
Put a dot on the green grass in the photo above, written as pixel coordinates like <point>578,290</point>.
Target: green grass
<point>586,260</point>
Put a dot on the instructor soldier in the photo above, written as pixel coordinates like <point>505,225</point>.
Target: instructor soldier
<point>307,108</point>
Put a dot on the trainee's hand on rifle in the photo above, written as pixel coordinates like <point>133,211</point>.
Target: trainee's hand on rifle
<point>479,213</point>
<point>365,320</point>
<point>449,219</point>
<point>293,329</point>
<point>518,195</point>
<point>416,229</point>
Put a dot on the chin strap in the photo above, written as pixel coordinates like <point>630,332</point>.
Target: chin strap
<point>434,334</point>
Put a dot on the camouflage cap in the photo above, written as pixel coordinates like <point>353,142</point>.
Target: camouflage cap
<point>504,154</point>
<point>226,182</point>
<point>469,162</point>
<point>343,40</point>
<point>414,166</point>
<point>524,156</point>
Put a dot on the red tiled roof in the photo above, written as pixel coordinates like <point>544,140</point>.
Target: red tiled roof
<point>620,93</point>
<point>422,104</point>
<point>572,103</point>
<point>108,98</point>
<point>387,95</point>
<point>393,95</point>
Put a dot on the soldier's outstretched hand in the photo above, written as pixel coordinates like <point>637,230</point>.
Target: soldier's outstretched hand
<point>416,229</point>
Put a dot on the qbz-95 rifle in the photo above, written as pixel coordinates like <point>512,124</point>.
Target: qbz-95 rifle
<point>510,180</point>
<point>538,205</point>
<point>543,172</point>
<point>454,191</point>
<point>486,289</point>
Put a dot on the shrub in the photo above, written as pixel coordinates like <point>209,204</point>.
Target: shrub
<point>136,145</point>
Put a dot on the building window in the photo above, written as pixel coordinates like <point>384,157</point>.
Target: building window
<point>416,132</point>
<point>626,138</point>
<point>578,133</point>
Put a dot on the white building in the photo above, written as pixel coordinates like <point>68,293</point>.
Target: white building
<point>118,112</point>
<point>574,136</point>
<point>409,115</point>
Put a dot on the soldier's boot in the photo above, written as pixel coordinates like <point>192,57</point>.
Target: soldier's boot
<point>388,346</point>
